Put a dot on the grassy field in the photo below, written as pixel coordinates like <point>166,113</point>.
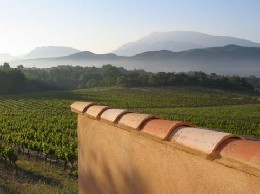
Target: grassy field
<point>35,177</point>
<point>43,122</point>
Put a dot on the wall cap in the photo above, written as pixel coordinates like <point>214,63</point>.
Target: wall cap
<point>182,135</point>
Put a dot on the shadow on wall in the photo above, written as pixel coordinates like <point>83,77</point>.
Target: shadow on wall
<point>115,179</point>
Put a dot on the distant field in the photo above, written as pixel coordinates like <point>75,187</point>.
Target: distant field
<point>42,122</point>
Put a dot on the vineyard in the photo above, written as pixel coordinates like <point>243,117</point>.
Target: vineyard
<point>41,126</point>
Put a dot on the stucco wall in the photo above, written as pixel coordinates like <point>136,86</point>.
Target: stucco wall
<point>115,160</point>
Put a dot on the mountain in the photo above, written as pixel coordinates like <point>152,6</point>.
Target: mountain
<point>89,55</point>
<point>227,60</point>
<point>50,51</point>
<point>6,57</point>
<point>229,52</point>
<point>179,41</point>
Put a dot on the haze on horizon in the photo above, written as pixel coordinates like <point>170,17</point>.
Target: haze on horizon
<point>103,26</point>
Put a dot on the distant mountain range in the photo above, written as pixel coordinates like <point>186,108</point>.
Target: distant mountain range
<point>6,57</point>
<point>41,52</point>
<point>160,51</point>
<point>179,41</point>
<point>50,51</point>
<point>230,59</point>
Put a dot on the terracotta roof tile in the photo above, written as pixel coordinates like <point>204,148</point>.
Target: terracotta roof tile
<point>162,128</point>
<point>245,151</point>
<point>205,141</point>
<point>113,115</point>
<point>134,120</point>
<point>95,111</point>
<point>81,107</point>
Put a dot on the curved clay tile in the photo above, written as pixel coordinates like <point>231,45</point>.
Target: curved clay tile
<point>244,151</point>
<point>203,140</point>
<point>113,115</point>
<point>162,128</point>
<point>134,120</point>
<point>95,111</point>
<point>81,107</point>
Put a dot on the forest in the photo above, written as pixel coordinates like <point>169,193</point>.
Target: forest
<point>20,79</point>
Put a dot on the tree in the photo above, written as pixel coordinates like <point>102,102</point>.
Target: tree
<point>110,74</point>
<point>6,66</point>
<point>122,81</point>
<point>20,67</point>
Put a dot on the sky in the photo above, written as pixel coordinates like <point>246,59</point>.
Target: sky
<point>101,26</point>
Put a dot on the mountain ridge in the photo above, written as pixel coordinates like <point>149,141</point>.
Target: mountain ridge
<point>238,51</point>
<point>50,51</point>
<point>230,59</point>
<point>179,41</point>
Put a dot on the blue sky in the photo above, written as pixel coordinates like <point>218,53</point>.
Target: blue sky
<point>101,26</point>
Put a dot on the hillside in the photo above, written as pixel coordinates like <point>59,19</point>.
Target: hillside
<point>89,55</point>
<point>179,41</point>
<point>227,52</point>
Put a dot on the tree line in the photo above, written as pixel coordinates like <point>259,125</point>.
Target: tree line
<point>13,80</point>
<point>20,79</point>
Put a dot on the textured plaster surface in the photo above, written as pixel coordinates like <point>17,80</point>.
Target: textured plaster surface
<point>114,161</point>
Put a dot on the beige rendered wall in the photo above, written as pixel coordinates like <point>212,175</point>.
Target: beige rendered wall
<point>121,161</point>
